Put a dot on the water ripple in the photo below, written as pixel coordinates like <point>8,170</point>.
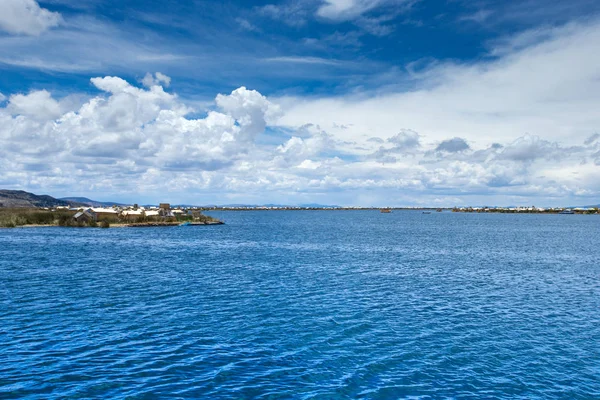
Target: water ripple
<point>305,305</point>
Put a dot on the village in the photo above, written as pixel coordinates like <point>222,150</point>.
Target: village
<point>128,213</point>
<point>104,217</point>
<point>163,215</point>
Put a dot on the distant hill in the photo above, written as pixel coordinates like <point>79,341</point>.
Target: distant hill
<point>310,205</point>
<point>90,202</point>
<point>317,205</point>
<point>22,199</point>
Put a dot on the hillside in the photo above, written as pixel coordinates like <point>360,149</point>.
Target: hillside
<point>90,202</point>
<point>22,199</point>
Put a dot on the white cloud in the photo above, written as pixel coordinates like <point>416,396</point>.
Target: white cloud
<point>406,139</point>
<point>479,16</point>
<point>86,44</point>
<point>246,25</point>
<point>299,151</point>
<point>341,10</point>
<point>529,148</point>
<point>251,109</point>
<point>142,127</point>
<point>348,10</point>
<point>38,105</point>
<point>26,17</point>
<point>548,89</point>
<point>293,13</point>
<point>156,79</point>
<point>369,15</point>
<point>303,60</point>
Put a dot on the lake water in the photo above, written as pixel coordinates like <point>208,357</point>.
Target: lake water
<point>323,304</point>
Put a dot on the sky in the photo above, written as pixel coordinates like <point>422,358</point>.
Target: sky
<point>346,102</point>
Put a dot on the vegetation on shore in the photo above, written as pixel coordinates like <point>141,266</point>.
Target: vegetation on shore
<point>14,217</point>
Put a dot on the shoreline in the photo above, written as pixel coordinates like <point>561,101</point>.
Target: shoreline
<point>208,220</point>
<point>121,225</point>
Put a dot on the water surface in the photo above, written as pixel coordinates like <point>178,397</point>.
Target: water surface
<point>323,304</point>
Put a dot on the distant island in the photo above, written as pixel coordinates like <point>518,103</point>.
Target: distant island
<point>529,210</point>
<point>19,208</point>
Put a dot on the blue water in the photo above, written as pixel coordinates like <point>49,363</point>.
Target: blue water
<point>324,304</point>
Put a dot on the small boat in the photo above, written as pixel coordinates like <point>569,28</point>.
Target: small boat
<point>567,211</point>
<point>426,212</point>
<point>186,223</point>
<point>385,210</point>
<point>439,210</point>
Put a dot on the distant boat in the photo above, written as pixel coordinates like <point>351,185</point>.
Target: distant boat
<point>439,210</point>
<point>426,212</point>
<point>385,210</point>
<point>567,211</point>
<point>186,223</point>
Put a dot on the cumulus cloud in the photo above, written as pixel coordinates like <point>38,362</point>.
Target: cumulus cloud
<point>26,17</point>
<point>406,139</point>
<point>453,145</point>
<point>251,110</point>
<point>136,125</point>
<point>302,151</point>
<point>529,148</point>
<point>404,142</point>
<point>38,105</point>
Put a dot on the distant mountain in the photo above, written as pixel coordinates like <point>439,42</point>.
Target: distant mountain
<point>90,202</point>
<point>316,205</point>
<point>272,205</point>
<point>22,199</point>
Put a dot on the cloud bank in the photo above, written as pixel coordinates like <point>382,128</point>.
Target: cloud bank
<point>144,141</point>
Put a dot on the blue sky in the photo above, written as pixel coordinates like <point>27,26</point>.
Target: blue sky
<point>352,102</point>
<point>273,47</point>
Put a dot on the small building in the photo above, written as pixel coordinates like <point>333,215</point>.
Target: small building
<point>132,214</point>
<point>105,213</point>
<point>165,210</point>
<point>86,215</point>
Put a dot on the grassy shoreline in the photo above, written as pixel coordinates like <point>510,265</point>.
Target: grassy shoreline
<point>36,218</point>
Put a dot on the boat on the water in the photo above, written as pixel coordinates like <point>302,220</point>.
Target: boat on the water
<point>186,223</point>
<point>385,210</point>
<point>426,212</point>
<point>567,211</point>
